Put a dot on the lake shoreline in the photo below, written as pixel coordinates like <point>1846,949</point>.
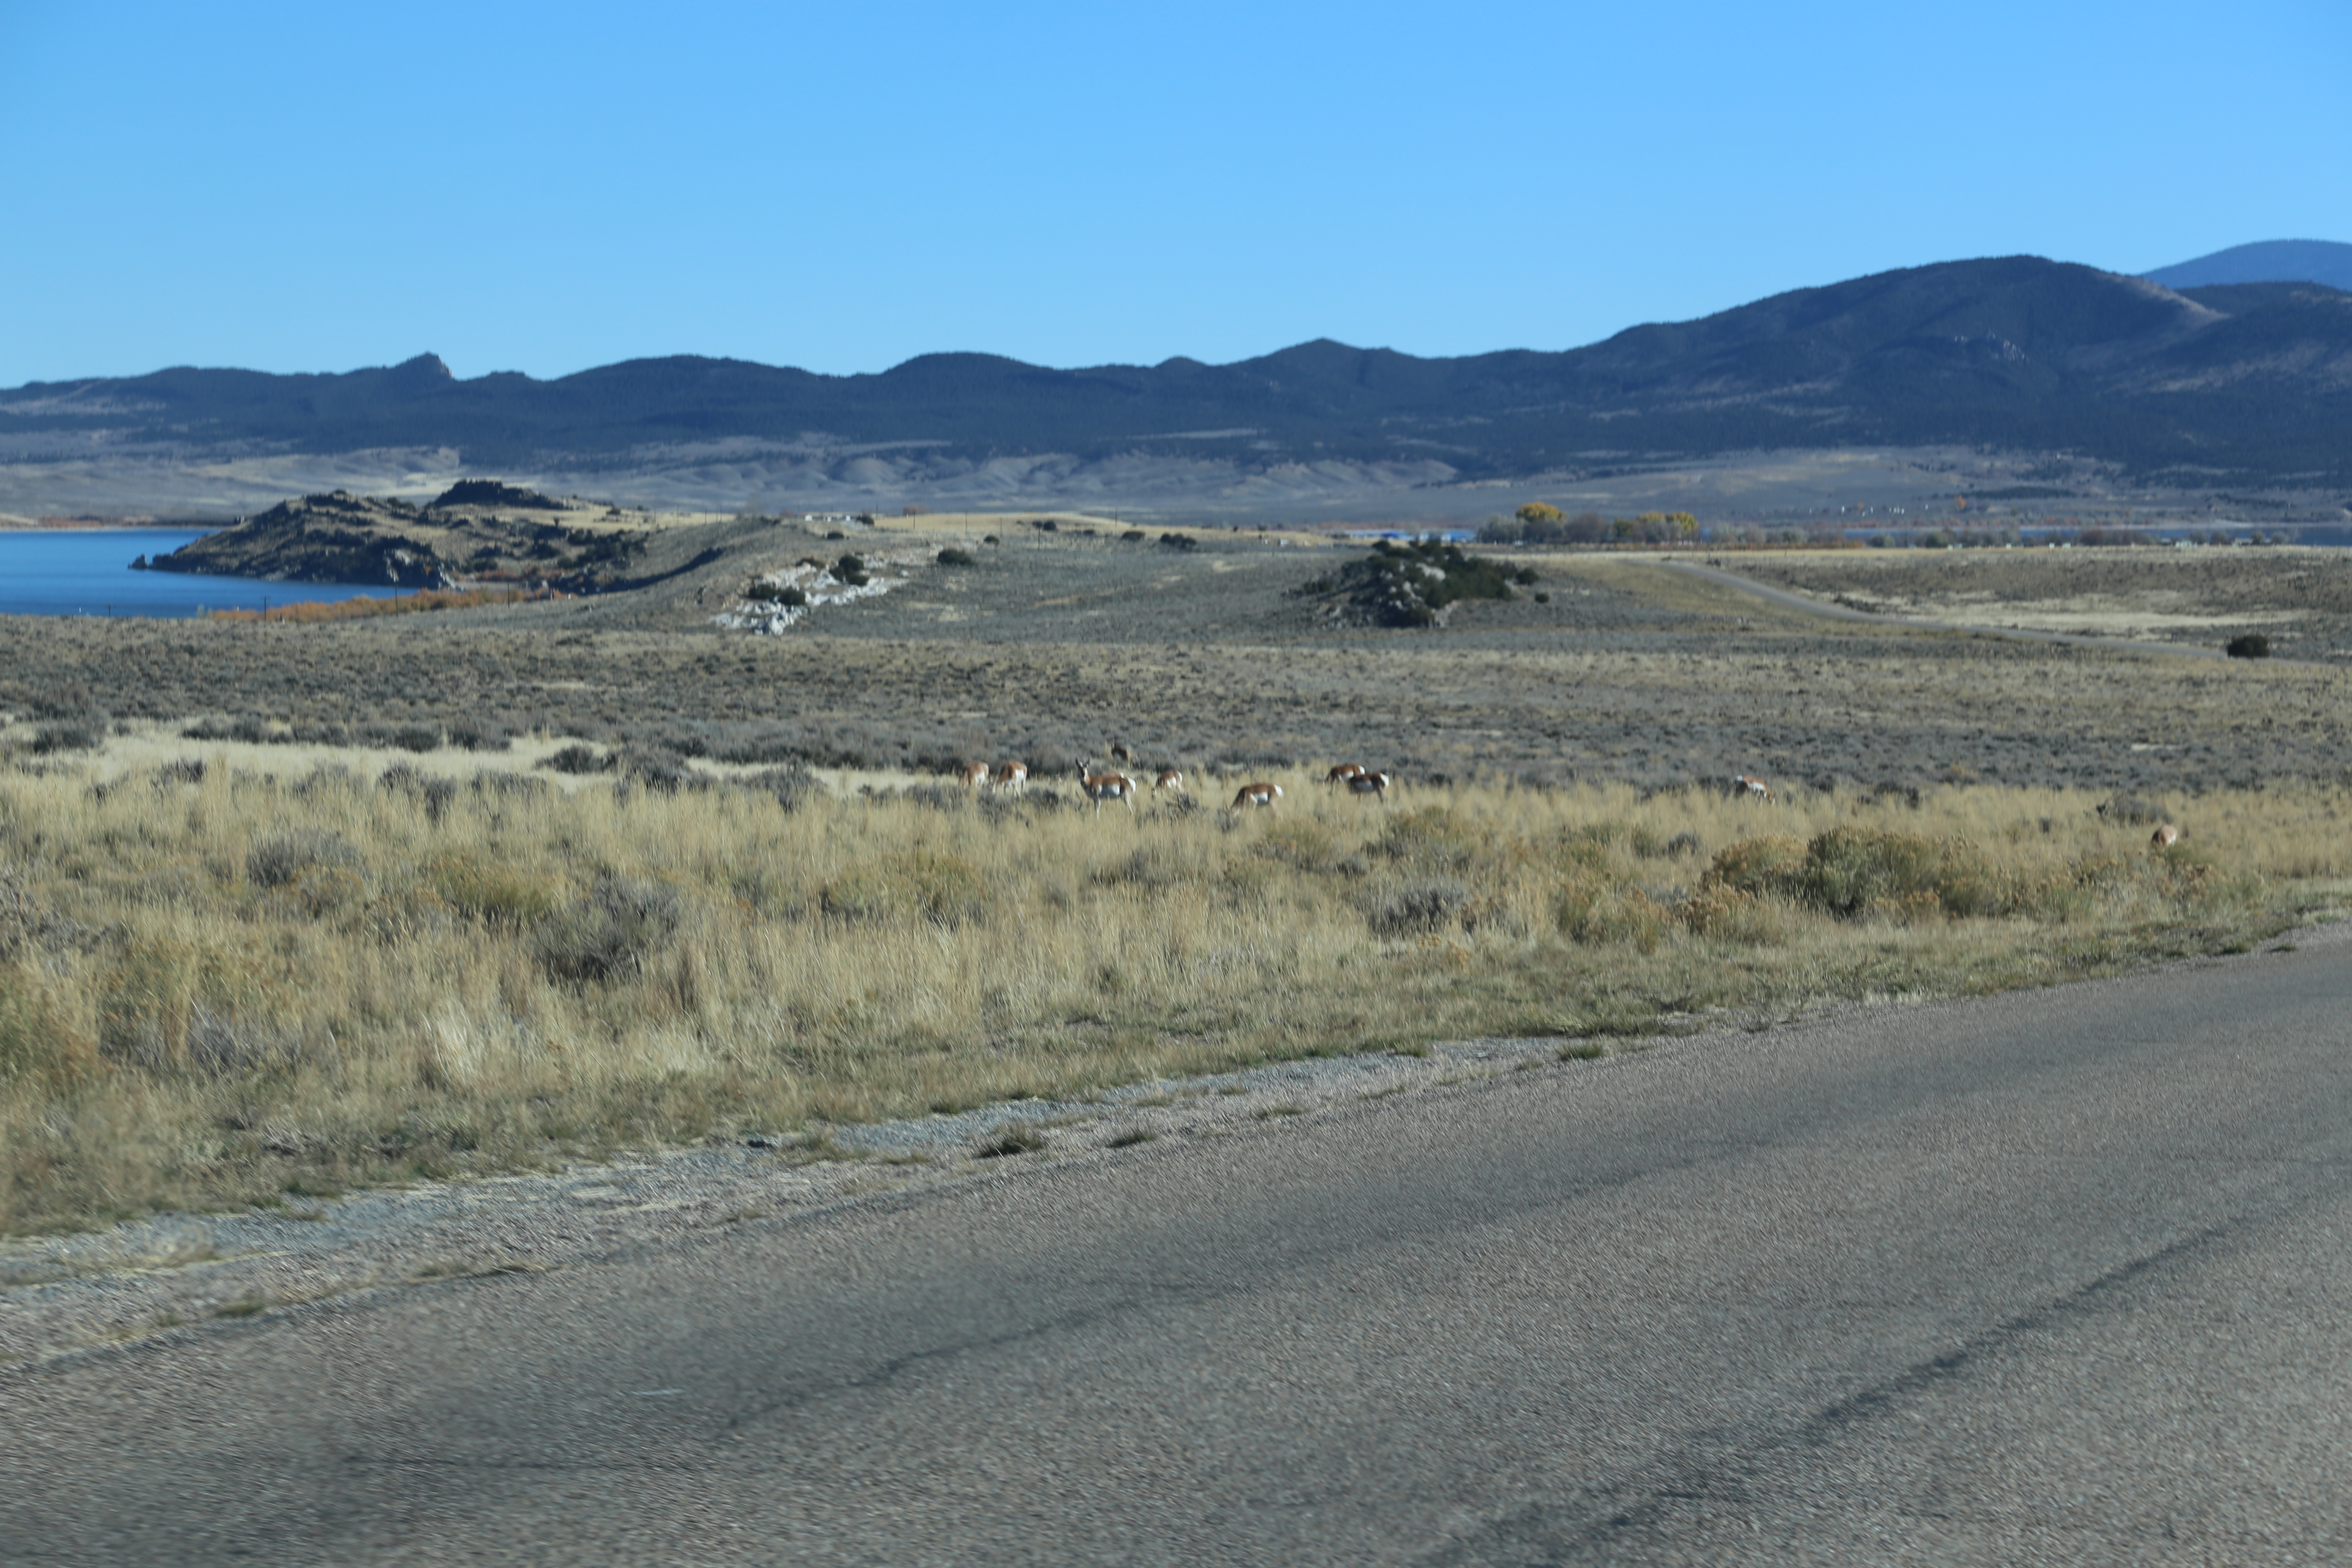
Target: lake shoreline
<point>78,571</point>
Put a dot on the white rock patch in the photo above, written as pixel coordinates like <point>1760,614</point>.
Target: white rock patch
<point>771,617</point>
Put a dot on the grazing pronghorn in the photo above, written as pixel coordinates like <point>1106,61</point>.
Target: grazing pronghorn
<point>1746,788</point>
<point>1014,776</point>
<point>1364,781</point>
<point>1260,794</point>
<point>1169,778</point>
<point>1121,754</point>
<point>1344,772</point>
<point>975,775</point>
<point>1100,787</point>
<point>2164,837</point>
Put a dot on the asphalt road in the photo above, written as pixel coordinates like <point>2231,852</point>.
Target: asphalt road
<point>2058,1276</point>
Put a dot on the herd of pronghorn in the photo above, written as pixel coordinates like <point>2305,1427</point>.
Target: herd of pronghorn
<point>1111,784</point>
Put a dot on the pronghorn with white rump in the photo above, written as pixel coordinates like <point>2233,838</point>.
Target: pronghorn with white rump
<point>1100,787</point>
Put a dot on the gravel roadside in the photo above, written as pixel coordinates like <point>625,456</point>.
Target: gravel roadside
<point>61,1295</point>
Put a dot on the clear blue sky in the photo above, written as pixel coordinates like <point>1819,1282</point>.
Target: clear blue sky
<point>545,188</point>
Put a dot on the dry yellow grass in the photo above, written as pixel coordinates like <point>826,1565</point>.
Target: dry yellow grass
<point>217,989</point>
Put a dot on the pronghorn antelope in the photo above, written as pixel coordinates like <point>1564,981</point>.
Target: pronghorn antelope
<point>1260,794</point>
<point>1343,772</point>
<point>1014,776</point>
<point>1364,781</point>
<point>1120,753</point>
<point>1746,788</point>
<point>975,775</point>
<point>1169,778</point>
<point>2164,837</point>
<point>1100,787</point>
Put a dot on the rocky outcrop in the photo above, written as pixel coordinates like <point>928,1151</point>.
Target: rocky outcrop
<point>485,537</point>
<point>334,538</point>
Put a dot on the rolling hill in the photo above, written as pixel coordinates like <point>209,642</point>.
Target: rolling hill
<point>2266,261</point>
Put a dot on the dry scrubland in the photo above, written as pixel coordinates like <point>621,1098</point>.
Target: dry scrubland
<point>222,988</point>
<point>1052,650</point>
<point>2300,598</point>
<point>225,975</point>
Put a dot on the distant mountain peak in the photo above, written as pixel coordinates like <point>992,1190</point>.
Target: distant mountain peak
<point>2264,261</point>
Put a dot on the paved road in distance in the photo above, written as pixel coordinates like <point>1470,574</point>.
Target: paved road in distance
<point>2054,1277</point>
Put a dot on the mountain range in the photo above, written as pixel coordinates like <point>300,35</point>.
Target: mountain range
<point>2219,382</point>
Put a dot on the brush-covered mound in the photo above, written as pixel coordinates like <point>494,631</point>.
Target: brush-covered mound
<point>1411,584</point>
<point>479,531</point>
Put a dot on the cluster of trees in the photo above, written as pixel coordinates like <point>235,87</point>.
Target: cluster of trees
<point>1948,539</point>
<point>1539,522</point>
<point>2094,536</point>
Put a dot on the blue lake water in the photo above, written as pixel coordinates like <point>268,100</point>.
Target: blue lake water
<point>87,572</point>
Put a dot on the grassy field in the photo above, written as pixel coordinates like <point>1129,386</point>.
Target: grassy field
<point>286,906</point>
<point>219,988</point>
<point>2300,598</point>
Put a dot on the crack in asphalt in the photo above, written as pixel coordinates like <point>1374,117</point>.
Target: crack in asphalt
<point>1723,1465</point>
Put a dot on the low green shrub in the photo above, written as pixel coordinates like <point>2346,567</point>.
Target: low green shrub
<point>282,860</point>
<point>1435,837</point>
<point>1427,905</point>
<point>1301,841</point>
<point>1156,866</point>
<point>608,935</point>
<point>68,736</point>
<point>1593,907</point>
<point>1849,871</point>
<point>910,884</point>
<point>492,893</point>
<point>1772,867</point>
<point>1727,915</point>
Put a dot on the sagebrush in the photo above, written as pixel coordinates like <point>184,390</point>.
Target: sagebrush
<point>215,986</point>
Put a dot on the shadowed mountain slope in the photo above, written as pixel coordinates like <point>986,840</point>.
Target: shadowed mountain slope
<point>2017,353</point>
<point>2266,261</point>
